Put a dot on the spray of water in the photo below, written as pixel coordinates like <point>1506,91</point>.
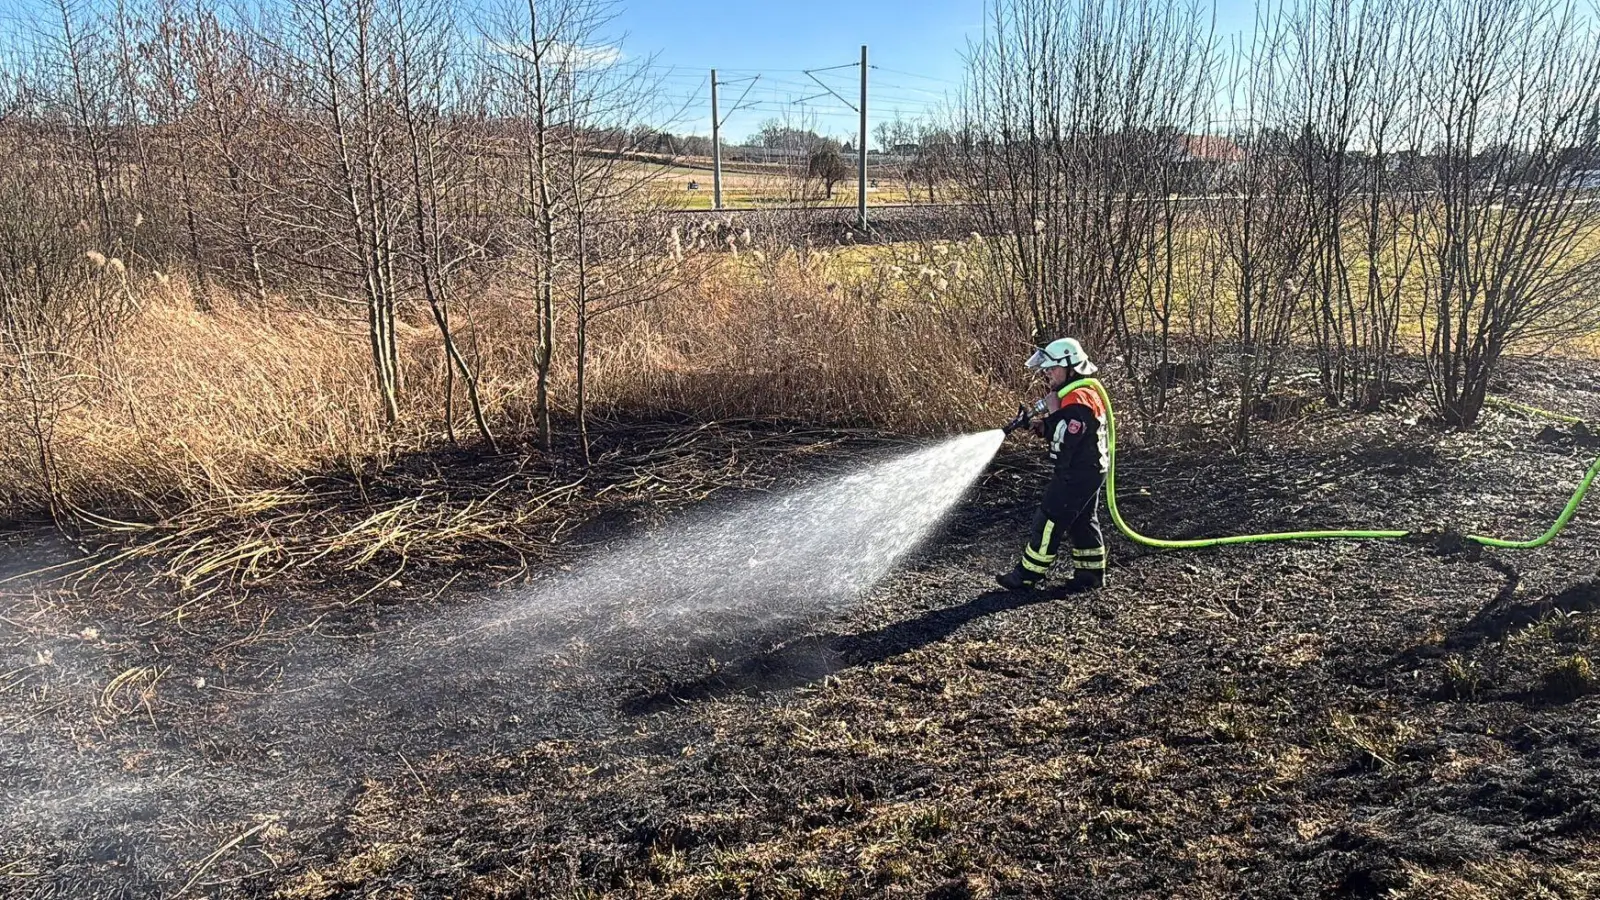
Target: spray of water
<point>522,665</point>
<point>791,556</point>
<point>714,583</point>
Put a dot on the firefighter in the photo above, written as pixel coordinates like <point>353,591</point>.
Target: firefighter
<point>1073,419</point>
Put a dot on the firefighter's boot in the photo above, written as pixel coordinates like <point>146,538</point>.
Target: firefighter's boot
<point>1019,579</point>
<point>1084,581</point>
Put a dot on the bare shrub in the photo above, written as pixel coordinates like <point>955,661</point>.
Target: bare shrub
<point>792,338</point>
<point>1509,259</point>
<point>1355,108</point>
<point>202,405</point>
<point>63,306</point>
<point>1069,128</point>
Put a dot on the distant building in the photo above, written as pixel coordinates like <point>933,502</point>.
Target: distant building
<point>1200,159</point>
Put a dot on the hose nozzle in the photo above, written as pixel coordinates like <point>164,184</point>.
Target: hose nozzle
<point>1021,420</point>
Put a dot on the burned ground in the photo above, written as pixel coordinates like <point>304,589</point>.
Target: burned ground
<point>1291,720</point>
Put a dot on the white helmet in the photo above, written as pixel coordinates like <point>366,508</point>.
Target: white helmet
<point>1066,353</point>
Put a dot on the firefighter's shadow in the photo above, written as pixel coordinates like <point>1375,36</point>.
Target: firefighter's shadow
<point>801,662</point>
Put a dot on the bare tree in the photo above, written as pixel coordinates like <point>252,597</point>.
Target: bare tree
<point>614,255</point>
<point>1068,118</point>
<point>582,224</point>
<point>172,102</point>
<point>893,136</point>
<point>342,201</point>
<point>230,86</point>
<point>83,86</point>
<point>424,69</point>
<point>1512,89</point>
<point>1353,103</point>
<point>935,161</point>
<point>1386,197</point>
<point>532,44</point>
<point>61,311</point>
<point>806,158</point>
<point>1260,220</point>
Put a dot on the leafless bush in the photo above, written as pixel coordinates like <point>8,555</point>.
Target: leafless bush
<point>1354,107</point>
<point>62,308</point>
<point>1261,225</point>
<point>1511,93</point>
<point>1071,136</point>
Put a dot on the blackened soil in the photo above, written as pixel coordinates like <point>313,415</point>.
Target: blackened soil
<point>1288,720</point>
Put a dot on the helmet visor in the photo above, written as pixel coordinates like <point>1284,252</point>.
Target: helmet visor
<point>1039,360</point>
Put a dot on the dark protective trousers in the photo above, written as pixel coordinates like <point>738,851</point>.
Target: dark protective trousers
<point>1069,511</point>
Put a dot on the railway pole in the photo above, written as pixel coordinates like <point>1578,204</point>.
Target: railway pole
<point>861,172</point>
<point>716,142</point>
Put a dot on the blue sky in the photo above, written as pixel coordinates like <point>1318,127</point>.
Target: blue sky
<point>916,52</point>
<point>915,49</point>
<point>921,41</point>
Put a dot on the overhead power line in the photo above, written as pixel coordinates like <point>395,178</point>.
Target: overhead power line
<point>807,106</point>
<point>752,83</point>
<point>915,75</point>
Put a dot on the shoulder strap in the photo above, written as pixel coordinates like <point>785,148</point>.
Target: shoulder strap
<point>1082,391</point>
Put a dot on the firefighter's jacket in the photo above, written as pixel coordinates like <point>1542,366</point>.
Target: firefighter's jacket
<point>1076,430</point>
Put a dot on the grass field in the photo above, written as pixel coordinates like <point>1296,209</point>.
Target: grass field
<point>757,185</point>
<point>947,270</point>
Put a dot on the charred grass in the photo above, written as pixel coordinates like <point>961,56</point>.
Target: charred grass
<point>1367,720</point>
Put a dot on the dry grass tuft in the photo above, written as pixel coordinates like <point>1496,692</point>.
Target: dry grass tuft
<point>1512,878</point>
<point>811,337</point>
<point>1571,678</point>
<point>190,415</point>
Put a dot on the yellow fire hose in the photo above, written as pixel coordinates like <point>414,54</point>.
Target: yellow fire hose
<point>1200,543</point>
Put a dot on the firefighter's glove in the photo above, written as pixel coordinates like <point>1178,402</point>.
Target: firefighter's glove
<point>1022,419</point>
